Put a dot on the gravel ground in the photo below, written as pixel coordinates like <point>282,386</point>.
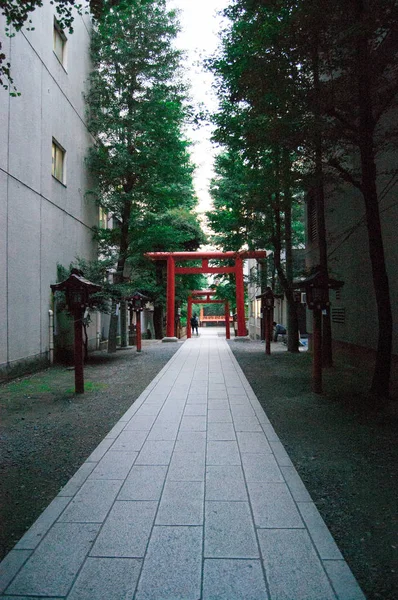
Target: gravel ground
<point>47,432</point>
<point>347,457</point>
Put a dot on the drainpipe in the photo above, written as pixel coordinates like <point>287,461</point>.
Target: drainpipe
<point>51,335</point>
<point>98,331</point>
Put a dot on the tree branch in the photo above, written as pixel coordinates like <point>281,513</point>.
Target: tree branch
<point>344,174</point>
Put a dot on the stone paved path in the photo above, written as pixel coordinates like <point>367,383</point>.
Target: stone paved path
<point>190,496</point>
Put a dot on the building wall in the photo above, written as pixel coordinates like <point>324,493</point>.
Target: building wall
<point>45,222</point>
<point>354,313</point>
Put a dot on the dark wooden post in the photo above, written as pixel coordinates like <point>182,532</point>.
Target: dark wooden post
<point>78,350</point>
<point>189,316</point>
<point>138,329</point>
<point>268,330</point>
<point>227,327</point>
<point>317,351</point>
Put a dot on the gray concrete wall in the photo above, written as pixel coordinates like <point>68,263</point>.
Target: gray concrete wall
<point>45,222</point>
<point>349,260</point>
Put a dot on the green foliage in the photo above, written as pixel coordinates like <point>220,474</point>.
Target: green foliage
<point>141,162</point>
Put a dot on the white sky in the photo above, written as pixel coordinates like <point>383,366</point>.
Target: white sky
<point>200,25</point>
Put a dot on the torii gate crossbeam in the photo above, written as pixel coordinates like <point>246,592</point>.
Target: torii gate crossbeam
<point>172,270</point>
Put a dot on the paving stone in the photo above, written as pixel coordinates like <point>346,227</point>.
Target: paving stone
<point>35,534</point>
<point>143,483</point>
<point>223,453</point>
<point>220,431</point>
<point>238,400</point>
<point>197,399</point>
<point>282,457</point>
<point>225,483</point>
<point>173,565</point>
<point>114,432</point>
<point>92,503</point>
<point>217,395</point>
<point>343,581</point>
<point>105,578</point>
<point>225,579</point>
<point>270,432</point>
<point>193,423</point>
<point>53,566</point>
<point>163,431</point>
<point>181,503</point>
<point>74,484</point>
<point>247,424</point>
<point>253,442</point>
<point>216,404</point>
<point>114,465</point>
<point>292,566</point>
<point>148,410</point>
<point>217,387</point>
<point>155,453</point>
<point>195,410</point>
<point>296,486</point>
<point>186,466</point>
<point>129,441</point>
<point>261,467</point>
<point>191,441</point>
<point>126,531</point>
<point>140,423</point>
<point>242,410</point>
<point>319,533</point>
<point>273,506</point>
<point>100,450</point>
<point>10,566</point>
<point>219,415</point>
<point>229,531</point>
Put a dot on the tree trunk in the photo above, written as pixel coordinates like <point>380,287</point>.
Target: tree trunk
<point>123,324</point>
<point>158,322</point>
<point>112,330</point>
<point>327,353</point>
<point>382,372</point>
<point>292,318</point>
<point>292,308</point>
<point>123,250</point>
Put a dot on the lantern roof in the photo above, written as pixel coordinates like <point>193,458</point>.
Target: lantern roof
<point>318,279</point>
<point>76,281</point>
<point>137,295</point>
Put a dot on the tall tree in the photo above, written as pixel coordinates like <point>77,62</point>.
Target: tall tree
<point>136,113</point>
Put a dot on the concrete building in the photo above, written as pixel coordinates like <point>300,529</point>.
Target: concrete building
<point>46,217</point>
<point>353,307</point>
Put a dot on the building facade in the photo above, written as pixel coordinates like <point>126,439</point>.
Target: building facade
<point>353,307</point>
<point>45,214</point>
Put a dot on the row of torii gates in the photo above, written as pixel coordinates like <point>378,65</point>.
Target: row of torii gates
<point>205,257</point>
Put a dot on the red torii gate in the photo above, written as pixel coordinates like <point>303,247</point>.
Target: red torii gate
<point>172,270</point>
<point>194,298</point>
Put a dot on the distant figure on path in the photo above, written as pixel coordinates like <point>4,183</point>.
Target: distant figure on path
<point>278,330</point>
<point>194,324</point>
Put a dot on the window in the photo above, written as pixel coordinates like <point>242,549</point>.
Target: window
<point>59,43</point>
<point>58,162</point>
<point>103,218</point>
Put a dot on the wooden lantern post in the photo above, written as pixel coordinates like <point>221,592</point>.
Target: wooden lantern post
<point>317,295</point>
<point>137,302</point>
<point>77,291</point>
<point>267,310</point>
